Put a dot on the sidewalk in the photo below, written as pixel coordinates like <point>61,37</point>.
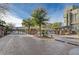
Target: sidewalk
<point>67,36</point>
<point>70,36</point>
<point>69,39</point>
<point>63,38</point>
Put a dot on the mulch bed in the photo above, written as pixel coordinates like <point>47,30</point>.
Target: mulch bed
<point>44,37</point>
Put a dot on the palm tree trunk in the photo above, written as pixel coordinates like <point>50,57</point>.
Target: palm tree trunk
<point>40,29</point>
<point>28,29</point>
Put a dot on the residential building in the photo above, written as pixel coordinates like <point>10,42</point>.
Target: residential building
<point>71,17</point>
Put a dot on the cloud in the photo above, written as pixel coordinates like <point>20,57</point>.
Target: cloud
<point>9,18</point>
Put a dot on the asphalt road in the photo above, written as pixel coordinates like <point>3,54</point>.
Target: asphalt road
<point>25,45</point>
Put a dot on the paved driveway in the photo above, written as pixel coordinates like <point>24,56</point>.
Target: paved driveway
<point>26,45</point>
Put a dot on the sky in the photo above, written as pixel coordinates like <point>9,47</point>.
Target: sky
<point>19,11</point>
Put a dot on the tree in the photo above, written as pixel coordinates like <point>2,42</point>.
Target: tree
<point>40,15</point>
<point>27,23</point>
<point>2,22</point>
<point>8,28</point>
<point>56,25</point>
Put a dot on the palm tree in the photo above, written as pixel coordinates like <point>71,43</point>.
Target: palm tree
<point>40,15</point>
<point>27,23</point>
<point>56,25</point>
